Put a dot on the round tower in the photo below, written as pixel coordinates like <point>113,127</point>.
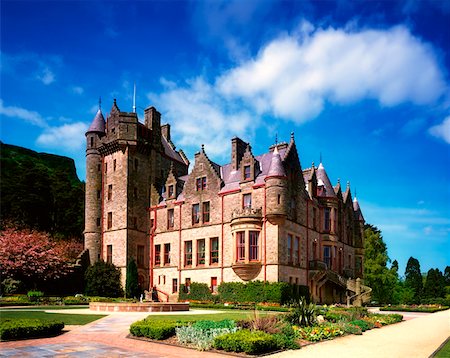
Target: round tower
<point>93,202</point>
<point>276,190</point>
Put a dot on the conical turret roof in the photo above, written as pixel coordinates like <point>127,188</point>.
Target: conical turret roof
<point>322,179</point>
<point>276,166</point>
<point>98,124</point>
<point>357,209</point>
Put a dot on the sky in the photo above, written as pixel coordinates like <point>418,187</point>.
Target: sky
<point>363,85</point>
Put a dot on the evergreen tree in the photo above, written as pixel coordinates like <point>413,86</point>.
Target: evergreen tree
<point>434,285</point>
<point>132,285</point>
<point>376,274</point>
<point>413,278</point>
<point>103,279</point>
<point>447,276</point>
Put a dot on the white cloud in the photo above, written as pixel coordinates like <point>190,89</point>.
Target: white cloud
<point>77,90</point>
<point>442,130</point>
<point>69,136</point>
<point>295,75</point>
<point>46,76</point>
<point>17,112</point>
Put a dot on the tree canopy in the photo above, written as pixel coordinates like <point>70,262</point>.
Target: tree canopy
<point>413,278</point>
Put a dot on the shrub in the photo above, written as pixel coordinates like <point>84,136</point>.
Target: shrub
<point>205,325</point>
<point>28,328</point>
<point>75,300</point>
<point>415,308</point>
<point>303,314</point>
<point>250,342</point>
<point>351,328</point>
<point>35,296</point>
<point>103,279</point>
<point>9,285</point>
<point>153,329</point>
<point>197,292</point>
<point>383,319</point>
<point>201,334</point>
<point>132,285</point>
<point>364,325</point>
<point>17,300</point>
<point>318,333</point>
<point>269,324</point>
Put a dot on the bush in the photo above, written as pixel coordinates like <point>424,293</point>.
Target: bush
<point>35,296</point>
<point>103,279</point>
<point>303,314</point>
<point>351,329</point>
<point>415,308</point>
<point>28,328</point>
<point>16,300</point>
<point>9,285</point>
<point>197,292</point>
<point>132,285</point>
<point>153,329</point>
<point>250,342</point>
<point>364,325</point>
<point>75,300</point>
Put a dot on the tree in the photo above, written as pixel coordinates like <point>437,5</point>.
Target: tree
<point>33,257</point>
<point>103,279</point>
<point>434,285</point>
<point>447,276</point>
<point>376,274</point>
<point>132,284</point>
<point>413,278</point>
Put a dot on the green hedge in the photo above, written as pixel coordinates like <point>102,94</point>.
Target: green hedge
<point>250,342</point>
<point>152,329</point>
<point>429,309</point>
<point>12,329</point>
<point>197,292</point>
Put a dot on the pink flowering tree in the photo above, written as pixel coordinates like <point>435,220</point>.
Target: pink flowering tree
<point>32,256</point>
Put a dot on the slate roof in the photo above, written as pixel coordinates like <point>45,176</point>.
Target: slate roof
<point>170,151</point>
<point>322,176</point>
<point>98,123</point>
<point>276,166</point>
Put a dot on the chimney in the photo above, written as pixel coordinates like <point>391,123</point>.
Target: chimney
<point>152,118</point>
<point>165,131</point>
<point>238,147</point>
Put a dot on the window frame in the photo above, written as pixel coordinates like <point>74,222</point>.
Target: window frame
<point>109,221</point>
<point>240,246</point>
<point>109,254</point>
<point>206,213</point>
<point>188,254</point>
<point>247,172</point>
<point>195,214</point>
<point>213,254</point>
<point>157,255</point>
<point>166,256</point>
<point>170,219</point>
<point>201,261</point>
<point>253,247</point>
<point>245,198</point>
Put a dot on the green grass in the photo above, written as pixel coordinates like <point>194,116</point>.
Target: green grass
<point>444,352</point>
<point>68,319</point>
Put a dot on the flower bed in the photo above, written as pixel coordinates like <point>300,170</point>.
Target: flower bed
<point>415,308</point>
<point>29,328</point>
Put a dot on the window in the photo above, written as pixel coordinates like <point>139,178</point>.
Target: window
<point>289,248</point>
<point>326,219</point>
<point>247,200</point>
<point>253,247</point>
<point>214,248</point>
<point>114,165</point>
<point>98,222</point>
<point>170,218</point>
<point>203,183</point>
<point>166,254</point>
<point>240,246</point>
<point>187,285</point>
<point>157,255</point>
<point>195,214</point>
<point>205,212</point>
<point>140,255</point>
<point>335,220</point>
<point>136,164</point>
<point>92,141</point>
<point>201,252</point>
<point>213,284</point>
<point>109,220</point>
<point>174,285</point>
<point>247,172</point>
<point>99,194</point>
<point>170,191</point>
<point>109,254</point>
<point>327,256</point>
<point>188,253</point>
<point>109,191</point>
<point>296,251</point>
<point>200,183</point>
<point>106,168</point>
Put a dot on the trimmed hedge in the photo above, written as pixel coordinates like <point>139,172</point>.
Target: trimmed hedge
<point>250,342</point>
<point>152,329</point>
<point>429,309</point>
<point>197,292</point>
<point>12,329</point>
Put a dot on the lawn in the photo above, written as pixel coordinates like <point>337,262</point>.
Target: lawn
<point>68,319</point>
<point>444,352</point>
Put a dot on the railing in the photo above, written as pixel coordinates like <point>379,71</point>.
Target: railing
<point>317,265</point>
<point>163,293</point>
<point>348,272</point>
<point>247,212</point>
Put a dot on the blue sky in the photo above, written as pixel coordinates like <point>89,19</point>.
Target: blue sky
<point>364,83</point>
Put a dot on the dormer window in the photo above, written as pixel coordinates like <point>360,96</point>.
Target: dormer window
<point>171,191</point>
<point>201,183</point>
<point>247,172</point>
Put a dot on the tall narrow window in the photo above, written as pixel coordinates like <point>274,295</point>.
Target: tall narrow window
<point>109,191</point>
<point>289,248</point>
<point>247,172</point>
<point>109,225</point>
<point>240,246</point>
<point>114,165</point>
<point>334,220</point>
<point>99,194</point>
<point>195,214</point>
<point>92,141</point>
<point>171,191</point>
<point>326,219</point>
<point>205,212</point>
<point>214,247</point>
<point>188,253</point>
<point>247,200</point>
<point>204,183</point>
<point>109,254</point>
<point>157,255</point>
<point>98,222</point>
<point>296,251</point>
<point>106,168</point>
<point>327,256</point>
<point>170,218</point>
<point>201,252</point>
<point>140,255</point>
<point>166,254</point>
<point>174,285</point>
<point>253,247</point>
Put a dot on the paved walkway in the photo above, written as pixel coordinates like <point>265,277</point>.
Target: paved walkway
<point>419,336</point>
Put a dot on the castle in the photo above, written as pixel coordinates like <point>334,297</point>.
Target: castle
<point>260,217</point>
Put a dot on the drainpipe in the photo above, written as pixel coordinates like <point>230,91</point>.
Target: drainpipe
<point>103,207</point>
<point>307,242</point>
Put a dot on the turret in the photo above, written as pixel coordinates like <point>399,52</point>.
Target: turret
<point>276,190</point>
<point>92,228</point>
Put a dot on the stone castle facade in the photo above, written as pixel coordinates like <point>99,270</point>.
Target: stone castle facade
<point>260,217</point>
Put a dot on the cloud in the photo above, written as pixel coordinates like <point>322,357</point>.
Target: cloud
<point>17,112</point>
<point>71,136</point>
<point>442,130</point>
<point>294,76</point>
<point>77,90</point>
<point>46,76</point>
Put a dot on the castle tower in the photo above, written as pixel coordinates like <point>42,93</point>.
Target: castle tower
<point>93,206</point>
<point>276,194</point>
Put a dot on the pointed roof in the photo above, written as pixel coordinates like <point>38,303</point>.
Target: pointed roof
<point>276,166</point>
<point>322,179</point>
<point>357,209</point>
<point>98,123</point>
<point>347,193</point>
